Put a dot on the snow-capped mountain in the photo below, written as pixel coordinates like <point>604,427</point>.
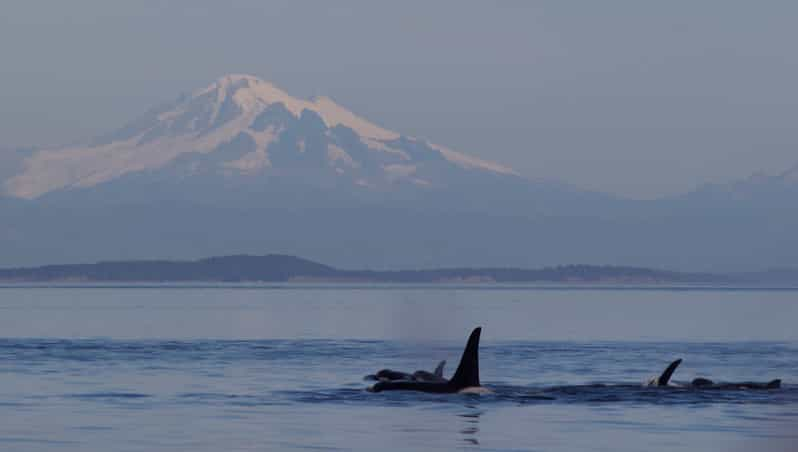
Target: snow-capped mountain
<point>242,167</point>
<point>241,130</point>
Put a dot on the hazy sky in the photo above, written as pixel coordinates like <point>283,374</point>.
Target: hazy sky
<point>638,98</point>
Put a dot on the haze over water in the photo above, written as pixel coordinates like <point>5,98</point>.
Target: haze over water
<point>281,367</point>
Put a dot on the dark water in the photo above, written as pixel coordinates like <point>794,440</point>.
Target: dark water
<point>217,369</point>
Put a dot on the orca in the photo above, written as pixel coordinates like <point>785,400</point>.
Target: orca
<point>389,375</point>
<point>706,383</point>
<point>419,375</point>
<point>665,377</point>
<point>465,378</point>
<point>437,375</point>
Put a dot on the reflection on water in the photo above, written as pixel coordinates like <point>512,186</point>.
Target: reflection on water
<point>471,425</point>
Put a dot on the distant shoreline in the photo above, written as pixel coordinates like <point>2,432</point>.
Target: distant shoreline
<point>397,286</point>
<point>285,269</point>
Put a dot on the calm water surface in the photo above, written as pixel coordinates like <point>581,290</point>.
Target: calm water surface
<point>230,368</point>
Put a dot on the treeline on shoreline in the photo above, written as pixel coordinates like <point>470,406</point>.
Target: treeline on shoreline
<point>284,268</point>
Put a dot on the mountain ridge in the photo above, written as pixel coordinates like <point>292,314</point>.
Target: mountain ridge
<point>758,191</point>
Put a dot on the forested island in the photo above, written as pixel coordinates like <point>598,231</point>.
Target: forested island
<point>285,268</point>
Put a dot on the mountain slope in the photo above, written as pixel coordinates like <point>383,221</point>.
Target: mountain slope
<point>760,191</point>
<point>246,130</point>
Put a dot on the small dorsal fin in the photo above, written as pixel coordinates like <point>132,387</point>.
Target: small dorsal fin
<point>467,373</point>
<point>774,384</point>
<point>666,376</point>
<point>439,370</point>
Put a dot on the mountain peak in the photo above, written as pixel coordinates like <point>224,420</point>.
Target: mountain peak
<point>248,92</point>
<point>233,78</point>
<point>251,93</point>
<point>228,80</point>
<point>241,125</point>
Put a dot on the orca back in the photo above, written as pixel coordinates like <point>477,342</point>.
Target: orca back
<point>390,375</point>
<point>467,373</point>
<point>701,382</point>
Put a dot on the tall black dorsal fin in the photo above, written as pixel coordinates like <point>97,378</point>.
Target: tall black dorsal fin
<point>666,376</point>
<point>467,373</point>
<point>439,370</point>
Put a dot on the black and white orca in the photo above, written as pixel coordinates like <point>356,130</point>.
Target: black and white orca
<point>436,375</point>
<point>465,378</point>
<point>419,375</point>
<point>665,377</point>
<point>706,383</point>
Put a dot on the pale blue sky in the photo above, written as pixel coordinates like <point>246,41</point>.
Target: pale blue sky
<point>637,98</point>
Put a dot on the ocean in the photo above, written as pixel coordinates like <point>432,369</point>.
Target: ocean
<point>281,367</point>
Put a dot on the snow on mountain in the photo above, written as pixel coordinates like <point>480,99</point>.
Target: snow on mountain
<point>243,126</point>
